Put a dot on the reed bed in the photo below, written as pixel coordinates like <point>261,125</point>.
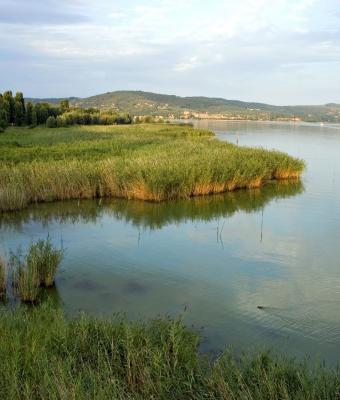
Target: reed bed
<point>152,163</point>
<point>45,356</point>
<point>34,270</point>
<point>44,258</point>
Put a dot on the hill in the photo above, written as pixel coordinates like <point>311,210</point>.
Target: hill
<point>147,103</point>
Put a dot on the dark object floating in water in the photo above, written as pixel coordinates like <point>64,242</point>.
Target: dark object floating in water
<point>260,307</point>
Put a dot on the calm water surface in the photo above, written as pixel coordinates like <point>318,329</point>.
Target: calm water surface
<point>212,259</point>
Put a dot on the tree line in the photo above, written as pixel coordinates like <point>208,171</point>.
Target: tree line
<point>14,111</point>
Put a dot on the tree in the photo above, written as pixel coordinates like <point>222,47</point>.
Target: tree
<point>61,121</point>
<point>3,114</point>
<point>34,118</point>
<point>51,122</point>
<point>41,110</point>
<point>9,106</point>
<point>19,97</point>
<point>64,105</point>
<point>29,112</point>
<point>3,119</point>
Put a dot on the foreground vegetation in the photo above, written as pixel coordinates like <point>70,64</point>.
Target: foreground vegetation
<point>45,356</point>
<point>148,162</point>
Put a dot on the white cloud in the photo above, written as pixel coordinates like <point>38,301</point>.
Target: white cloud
<point>168,46</point>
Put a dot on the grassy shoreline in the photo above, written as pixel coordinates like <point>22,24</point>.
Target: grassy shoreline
<point>146,162</point>
<point>46,356</point>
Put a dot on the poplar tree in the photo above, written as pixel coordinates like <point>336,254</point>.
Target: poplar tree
<point>29,112</point>
<point>19,109</point>
<point>9,106</point>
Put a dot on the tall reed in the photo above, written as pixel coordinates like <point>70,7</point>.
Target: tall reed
<point>26,279</point>
<point>44,355</point>
<point>44,258</point>
<point>35,269</point>
<point>142,162</point>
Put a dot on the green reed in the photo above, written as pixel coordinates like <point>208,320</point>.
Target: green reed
<point>45,356</point>
<point>44,258</point>
<point>35,269</point>
<point>157,162</point>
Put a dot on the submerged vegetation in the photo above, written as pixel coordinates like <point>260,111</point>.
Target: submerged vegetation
<point>43,355</point>
<point>147,162</point>
<point>34,270</point>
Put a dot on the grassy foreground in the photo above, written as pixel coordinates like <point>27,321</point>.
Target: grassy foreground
<point>45,356</point>
<point>148,162</point>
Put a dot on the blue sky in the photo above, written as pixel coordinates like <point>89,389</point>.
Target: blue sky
<point>274,51</point>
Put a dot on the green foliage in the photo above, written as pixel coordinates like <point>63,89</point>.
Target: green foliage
<point>60,121</point>
<point>19,109</point>
<point>35,269</point>
<point>25,278</point>
<point>19,115</point>
<point>64,105</point>
<point>3,114</point>
<point>13,111</point>
<point>34,119</point>
<point>51,122</point>
<point>29,113</point>
<point>45,356</point>
<point>149,162</point>
<point>9,106</point>
<point>46,259</point>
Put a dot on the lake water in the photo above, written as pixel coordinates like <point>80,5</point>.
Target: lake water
<point>214,259</point>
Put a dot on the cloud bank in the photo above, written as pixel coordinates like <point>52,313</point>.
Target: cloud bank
<point>280,52</point>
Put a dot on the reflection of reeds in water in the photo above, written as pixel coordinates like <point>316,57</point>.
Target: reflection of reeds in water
<point>37,268</point>
<point>155,215</point>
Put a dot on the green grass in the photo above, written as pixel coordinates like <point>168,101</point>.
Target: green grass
<point>35,269</point>
<point>148,162</point>
<point>45,356</point>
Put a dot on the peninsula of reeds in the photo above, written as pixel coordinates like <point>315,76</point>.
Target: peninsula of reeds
<point>144,161</point>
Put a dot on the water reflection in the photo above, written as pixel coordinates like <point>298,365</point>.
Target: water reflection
<point>153,215</point>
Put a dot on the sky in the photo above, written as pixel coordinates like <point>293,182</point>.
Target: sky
<point>272,51</point>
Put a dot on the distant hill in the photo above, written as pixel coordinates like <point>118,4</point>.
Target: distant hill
<point>147,103</point>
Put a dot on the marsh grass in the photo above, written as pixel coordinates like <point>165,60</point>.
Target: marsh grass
<point>146,162</point>
<point>45,356</point>
<point>3,278</point>
<point>44,258</point>
<point>35,269</point>
<point>26,279</point>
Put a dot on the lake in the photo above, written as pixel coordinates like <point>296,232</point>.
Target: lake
<point>213,260</point>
